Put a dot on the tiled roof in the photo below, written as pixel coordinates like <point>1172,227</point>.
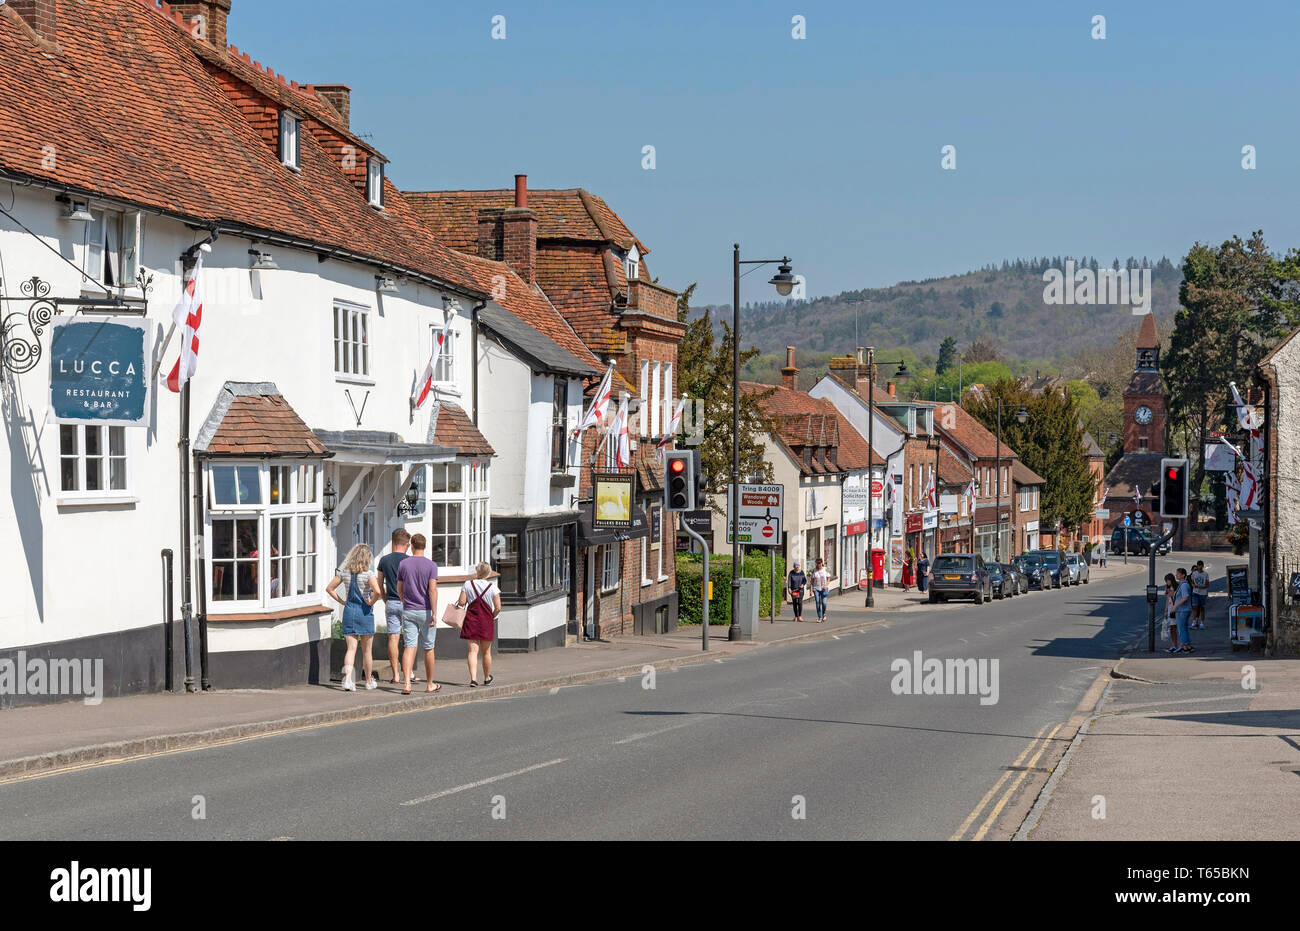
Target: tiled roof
<point>972,436</point>
<point>254,419</point>
<point>1146,383</point>
<point>1090,447</point>
<point>1148,338</point>
<point>138,111</point>
<point>1021,474</point>
<point>456,430</point>
<point>953,471</point>
<point>572,214</point>
<point>1134,469</point>
<point>802,422</point>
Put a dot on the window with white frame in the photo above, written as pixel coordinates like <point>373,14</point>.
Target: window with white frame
<point>632,264</point>
<point>92,459</point>
<point>560,425</point>
<point>645,561</point>
<point>457,501</point>
<point>111,248</point>
<point>290,145</point>
<point>655,396</point>
<point>375,181</point>
<point>444,370</point>
<point>611,566</point>
<point>351,340</point>
<point>262,539</point>
<point>1026,495</point>
<point>669,398</point>
<point>644,408</point>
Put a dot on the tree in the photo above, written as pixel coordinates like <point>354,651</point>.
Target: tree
<point>1237,302</point>
<point>704,375</point>
<point>947,355</point>
<point>981,351</point>
<point>1050,442</point>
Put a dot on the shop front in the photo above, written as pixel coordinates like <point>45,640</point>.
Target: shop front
<point>854,561</point>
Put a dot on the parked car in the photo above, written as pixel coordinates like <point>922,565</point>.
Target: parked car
<point>1022,580</point>
<point>1053,564</point>
<point>961,575</point>
<point>1139,540</point>
<point>1003,580</point>
<point>1079,572</point>
<point>1031,567</point>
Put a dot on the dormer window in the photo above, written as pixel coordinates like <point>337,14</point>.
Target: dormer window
<point>290,150</point>
<point>375,182</point>
<point>632,264</point>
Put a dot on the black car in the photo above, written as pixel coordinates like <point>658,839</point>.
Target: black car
<point>1032,569</point>
<point>1003,579</point>
<point>1054,564</point>
<point>960,575</point>
<point>1140,540</point>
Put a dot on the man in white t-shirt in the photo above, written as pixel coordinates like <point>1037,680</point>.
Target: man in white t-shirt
<point>1200,592</point>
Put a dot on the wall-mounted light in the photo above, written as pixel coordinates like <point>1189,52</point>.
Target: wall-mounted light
<point>328,501</point>
<point>385,284</point>
<point>75,211</point>
<point>409,502</point>
<point>261,261</point>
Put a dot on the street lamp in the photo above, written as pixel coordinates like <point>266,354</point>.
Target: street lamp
<point>1022,416</point>
<point>784,282</point>
<point>901,375</point>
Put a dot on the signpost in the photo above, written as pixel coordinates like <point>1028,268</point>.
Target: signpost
<point>759,514</point>
<point>99,371</point>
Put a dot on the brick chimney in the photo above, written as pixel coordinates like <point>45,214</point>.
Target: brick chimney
<point>206,19</point>
<point>892,388</point>
<point>338,96</point>
<point>489,234</point>
<point>40,15</point>
<point>518,233</point>
<point>790,374</point>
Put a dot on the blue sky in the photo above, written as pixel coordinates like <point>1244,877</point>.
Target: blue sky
<point>828,148</point>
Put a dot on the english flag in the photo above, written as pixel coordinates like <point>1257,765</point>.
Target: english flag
<point>599,404</point>
<point>188,316</point>
<point>891,494</point>
<point>1246,497</point>
<point>426,380</point>
<point>1247,419</point>
<point>970,497</point>
<point>674,425</point>
<point>930,493</point>
<point>618,433</point>
<point>1232,489</point>
<point>1137,496</point>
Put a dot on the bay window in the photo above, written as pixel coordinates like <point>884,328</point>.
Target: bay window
<point>457,503</point>
<point>262,540</point>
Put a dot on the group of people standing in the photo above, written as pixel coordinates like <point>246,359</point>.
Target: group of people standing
<point>819,583</point>
<point>406,581</point>
<point>1186,593</point>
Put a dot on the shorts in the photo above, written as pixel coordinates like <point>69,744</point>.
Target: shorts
<point>1197,600</point>
<point>418,627</point>
<point>393,615</point>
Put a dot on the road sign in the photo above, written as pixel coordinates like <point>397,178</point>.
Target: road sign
<point>1128,521</point>
<point>1103,513</point>
<point>759,515</point>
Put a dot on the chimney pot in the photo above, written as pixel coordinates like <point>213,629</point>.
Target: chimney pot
<point>521,190</point>
<point>892,389</point>
<point>790,374</point>
<point>862,355</point>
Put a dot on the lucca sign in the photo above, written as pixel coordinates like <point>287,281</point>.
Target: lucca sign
<point>99,370</point>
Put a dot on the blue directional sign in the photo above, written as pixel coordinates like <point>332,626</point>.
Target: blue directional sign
<point>100,371</point>
<point>1128,521</point>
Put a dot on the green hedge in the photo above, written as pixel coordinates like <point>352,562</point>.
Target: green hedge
<point>690,576</point>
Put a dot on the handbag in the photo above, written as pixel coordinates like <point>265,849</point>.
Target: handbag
<point>454,616</point>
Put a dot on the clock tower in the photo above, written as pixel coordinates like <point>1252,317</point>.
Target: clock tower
<point>1146,400</point>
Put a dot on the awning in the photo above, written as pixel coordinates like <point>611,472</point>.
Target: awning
<point>592,536</point>
<point>375,447</point>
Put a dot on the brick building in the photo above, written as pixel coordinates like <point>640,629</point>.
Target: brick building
<point>592,270</point>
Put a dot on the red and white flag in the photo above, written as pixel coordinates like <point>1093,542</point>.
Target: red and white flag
<point>426,380</point>
<point>674,425</point>
<point>599,404</point>
<point>930,495</point>
<point>970,497</point>
<point>618,434</point>
<point>1232,494</point>
<point>1137,496</point>
<point>188,316</point>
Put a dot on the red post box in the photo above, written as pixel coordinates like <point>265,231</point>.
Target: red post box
<point>878,565</point>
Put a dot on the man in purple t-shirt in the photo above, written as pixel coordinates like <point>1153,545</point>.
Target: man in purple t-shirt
<point>417,586</point>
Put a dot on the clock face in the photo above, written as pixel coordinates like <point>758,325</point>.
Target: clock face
<point>1143,415</point>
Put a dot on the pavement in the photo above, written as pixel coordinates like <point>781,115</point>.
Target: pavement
<point>1203,746</point>
<point>811,732</point>
<point>54,736</point>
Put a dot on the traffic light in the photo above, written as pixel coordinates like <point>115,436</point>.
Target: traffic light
<point>679,481</point>
<point>1173,487</point>
<point>701,480</point>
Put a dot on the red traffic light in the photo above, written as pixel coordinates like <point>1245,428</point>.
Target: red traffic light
<point>1173,473</point>
<point>677,465</point>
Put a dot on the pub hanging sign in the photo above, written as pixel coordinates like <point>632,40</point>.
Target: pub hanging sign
<point>100,370</point>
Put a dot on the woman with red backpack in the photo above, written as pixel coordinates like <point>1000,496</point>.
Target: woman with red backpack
<point>481,599</point>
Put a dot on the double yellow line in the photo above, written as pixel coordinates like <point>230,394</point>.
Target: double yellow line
<point>1041,743</point>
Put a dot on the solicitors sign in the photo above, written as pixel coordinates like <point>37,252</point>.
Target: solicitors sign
<point>100,371</point>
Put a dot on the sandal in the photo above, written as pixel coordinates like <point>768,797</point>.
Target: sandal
<point>406,691</point>
<point>437,687</point>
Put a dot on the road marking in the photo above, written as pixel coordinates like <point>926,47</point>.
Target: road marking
<point>482,782</point>
<point>988,822</point>
<point>970,819</point>
<point>665,730</point>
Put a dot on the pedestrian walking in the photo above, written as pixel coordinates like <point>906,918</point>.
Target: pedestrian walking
<point>1101,555</point>
<point>1183,610</point>
<point>392,601</point>
<point>795,583</point>
<point>1171,624</point>
<point>1200,593</point>
<point>923,572</point>
<point>821,587</point>
<point>358,617</point>
<point>481,599</point>
<point>417,585</point>
<point>907,572</point>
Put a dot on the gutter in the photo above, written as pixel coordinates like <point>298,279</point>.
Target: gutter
<point>473,348</point>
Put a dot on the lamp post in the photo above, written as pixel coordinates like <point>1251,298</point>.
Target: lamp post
<point>1022,416</point>
<point>784,282</point>
<point>901,375</point>
<point>935,443</point>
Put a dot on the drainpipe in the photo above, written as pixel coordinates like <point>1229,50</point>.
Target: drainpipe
<point>473,343</point>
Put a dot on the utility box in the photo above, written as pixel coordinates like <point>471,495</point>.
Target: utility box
<point>747,608</point>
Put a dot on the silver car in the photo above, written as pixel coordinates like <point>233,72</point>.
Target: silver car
<point>1078,568</point>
